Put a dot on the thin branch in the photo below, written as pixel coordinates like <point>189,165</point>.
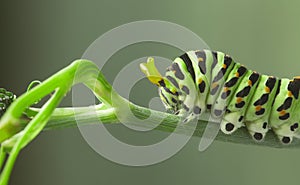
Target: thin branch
<point>169,123</point>
<point>2,157</point>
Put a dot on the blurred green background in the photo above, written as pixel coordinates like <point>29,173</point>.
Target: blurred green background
<point>40,37</point>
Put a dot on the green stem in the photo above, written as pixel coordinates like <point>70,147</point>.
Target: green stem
<point>71,117</point>
<point>30,132</point>
<point>13,138</point>
<point>65,117</point>
<point>2,157</point>
<point>80,71</point>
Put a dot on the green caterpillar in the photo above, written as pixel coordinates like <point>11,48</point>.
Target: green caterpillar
<point>204,80</point>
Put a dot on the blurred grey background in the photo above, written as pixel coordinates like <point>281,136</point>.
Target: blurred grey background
<point>40,37</point>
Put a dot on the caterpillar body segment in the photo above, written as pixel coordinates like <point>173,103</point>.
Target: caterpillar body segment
<point>285,116</point>
<point>210,81</point>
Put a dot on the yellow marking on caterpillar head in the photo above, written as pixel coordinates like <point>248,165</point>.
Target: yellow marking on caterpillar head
<point>151,72</point>
<point>153,75</point>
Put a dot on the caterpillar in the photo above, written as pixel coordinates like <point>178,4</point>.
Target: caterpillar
<point>6,98</point>
<point>211,81</point>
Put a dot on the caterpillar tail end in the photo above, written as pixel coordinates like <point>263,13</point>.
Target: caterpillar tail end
<point>151,72</point>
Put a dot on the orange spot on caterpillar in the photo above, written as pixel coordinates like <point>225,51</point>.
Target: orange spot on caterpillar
<point>258,107</point>
<point>200,81</point>
<point>237,74</point>
<point>281,113</point>
<point>289,94</point>
<point>239,99</point>
<point>267,89</point>
<point>250,83</point>
<point>224,66</point>
<point>200,59</point>
<point>215,84</point>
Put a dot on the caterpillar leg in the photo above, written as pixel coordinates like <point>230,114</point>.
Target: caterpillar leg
<point>231,122</point>
<point>286,132</point>
<point>194,113</point>
<point>258,129</point>
<point>228,127</point>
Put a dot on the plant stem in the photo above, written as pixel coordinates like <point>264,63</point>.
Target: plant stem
<point>65,117</point>
<point>2,157</point>
<point>30,132</point>
<point>69,117</point>
<point>13,138</point>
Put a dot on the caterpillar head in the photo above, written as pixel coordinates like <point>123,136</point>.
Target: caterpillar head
<point>167,92</point>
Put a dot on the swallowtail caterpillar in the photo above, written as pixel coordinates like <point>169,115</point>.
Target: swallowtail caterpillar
<point>205,80</point>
